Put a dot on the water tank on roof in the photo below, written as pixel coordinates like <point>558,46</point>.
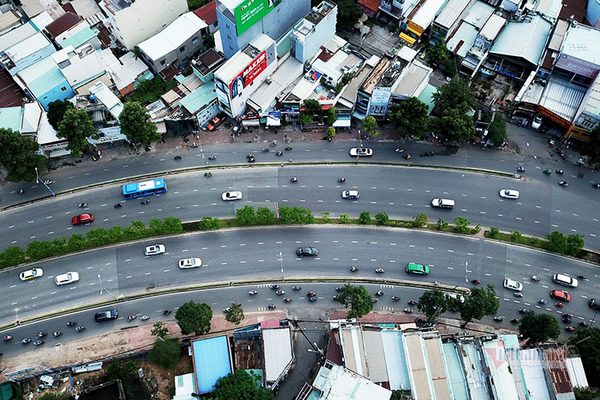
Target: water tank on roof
<point>93,99</point>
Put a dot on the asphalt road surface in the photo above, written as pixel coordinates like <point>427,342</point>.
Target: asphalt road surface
<point>399,191</point>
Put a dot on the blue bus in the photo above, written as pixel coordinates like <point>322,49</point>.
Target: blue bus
<point>145,188</point>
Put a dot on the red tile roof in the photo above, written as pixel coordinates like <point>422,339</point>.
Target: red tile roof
<point>208,12</point>
<point>372,5</point>
<point>63,23</point>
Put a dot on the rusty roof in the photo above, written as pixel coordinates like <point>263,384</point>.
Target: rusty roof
<point>208,12</point>
<point>63,23</point>
<point>557,367</point>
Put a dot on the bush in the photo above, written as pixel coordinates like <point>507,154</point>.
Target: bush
<point>295,215</point>
<point>461,225</point>
<point>494,232</point>
<point>325,216</point>
<point>441,224</point>
<point>420,220</point>
<point>574,244</point>
<point>364,218</point>
<point>208,224</point>
<point>382,218</point>
<point>13,255</point>
<point>265,216</point>
<point>344,219</point>
<point>516,237</point>
<point>245,216</point>
<point>557,242</point>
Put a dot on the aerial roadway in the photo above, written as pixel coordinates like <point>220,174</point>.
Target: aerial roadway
<point>399,191</point>
<point>255,258</point>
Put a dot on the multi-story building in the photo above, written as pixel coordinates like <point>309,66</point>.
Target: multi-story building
<point>240,21</point>
<point>311,32</point>
<point>132,22</point>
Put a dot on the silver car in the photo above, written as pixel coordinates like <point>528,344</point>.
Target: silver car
<point>65,279</point>
<point>231,196</point>
<point>193,262</point>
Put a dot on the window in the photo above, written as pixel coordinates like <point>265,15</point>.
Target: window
<point>229,37</point>
<point>195,40</point>
<point>162,62</point>
<point>64,89</point>
<point>182,49</point>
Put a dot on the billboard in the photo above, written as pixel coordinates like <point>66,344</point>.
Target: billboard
<point>245,78</point>
<point>250,12</point>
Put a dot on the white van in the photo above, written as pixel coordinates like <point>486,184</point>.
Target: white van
<point>565,280</point>
<point>442,203</point>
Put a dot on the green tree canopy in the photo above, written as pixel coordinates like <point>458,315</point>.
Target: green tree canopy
<point>557,242</point>
<point>56,111</point>
<point>348,14</point>
<point>432,303</point>
<point>18,156</point>
<point>194,318</point>
<point>160,330</point>
<point>538,328</point>
<point>369,124</point>
<point>234,314</point>
<point>165,352</point>
<point>136,125</point>
<point>574,244</point>
<point>312,106</point>
<point>497,130</point>
<point>456,93</point>
<point>331,116</point>
<point>436,54</point>
<point>357,298</point>
<point>455,124</point>
<point>410,116</point>
<point>239,385</point>
<point>245,216</point>
<point>76,126</point>
<point>587,341</point>
<point>330,132</point>
<point>592,148</point>
<point>478,304</point>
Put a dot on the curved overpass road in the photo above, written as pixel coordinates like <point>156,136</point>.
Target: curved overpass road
<point>254,254</point>
<point>400,192</point>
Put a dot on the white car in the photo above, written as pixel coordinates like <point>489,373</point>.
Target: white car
<point>65,279</point>
<point>537,122</point>
<point>513,285</point>
<point>350,194</point>
<point>155,249</point>
<point>231,196</point>
<point>190,263</point>
<point>31,274</point>
<point>361,152</point>
<point>509,193</point>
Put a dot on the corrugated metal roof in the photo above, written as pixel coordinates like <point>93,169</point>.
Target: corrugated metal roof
<point>351,339</point>
<point>375,355</point>
<point>417,365</point>
<point>462,40</point>
<point>492,27</point>
<point>499,368</point>
<point>10,118</point>
<point>337,383</point>
<point>582,42</point>
<point>478,14</point>
<point>212,360</point>
<point>29,46</point>
<point>577,373</point>
<point>199,98</point>
<point>437,369</point>
<point>531,366</point>
<point>173,36</point>
<point>562,97</point>
<point>277,347</point>
<point>16,35</point>
<point>451,12</point>
<point>395,360</point>
<point>63,23</point>
<point>525,40</point>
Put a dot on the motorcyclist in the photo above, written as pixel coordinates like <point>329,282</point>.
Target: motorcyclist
<point>342,179</point>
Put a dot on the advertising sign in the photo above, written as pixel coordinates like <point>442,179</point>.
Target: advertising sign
<point>379,100</point>
<point>577,66</point>
<point>250,12</point>
<point>245,78</point>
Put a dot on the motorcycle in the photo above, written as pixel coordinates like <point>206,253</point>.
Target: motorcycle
<point>273,143</point>
<point>399,150</point>
<point>251,159</point>
<point>412,302</point>
<point>38,343</point>
<point>563,183</point>
<point>80,328</point>
<point>144,318</point>
<point>559,171</point>
<point>71,323</point>
<point>379,293</point>
<point>7,338</point>
<point>289,148</point>
<point>287,299</point>
<point>208,174</point>
<point>296,288</point>
<point>523,310</point>
<point>42,334</point>
<point>342,180</point>
<point>271,306</point>
<point>521,168</point>
<point>275,287</point>
<point>379,270</point>
<point>313,299</point>
<point>118,205</point>
<point>518,294</point>
<point>408,310</point>
<point>265,150</point>
<point>56,333</point>
<point>25,341</point>
<point>407,156</point>
<point>131,317</point>
<point>559,305</point>
<point>569,329</point>
<point>499,318</point>
<point>280,292</point>
<point>48,182</point>
<point>542,301</point>
<point>82,205</point>
<point>429,154</point>
<point>279,153</point>
<point>177,158</point>
<point>338,289</point>
<point>374,300</point>
<point>166,312</point>
<point>294,180</point>
<point>311,294</point>
<point>475,281</point>
<point>584,324</point>
<point>514,320</point>
<point>253,292</point>
<point>395,298</point>
<point>144,202</point>
<point>535,278</point>
<point>548,171</point>
<point>353,269</point>
<point>21,191</point>
<point>596,185</point>
<point>212,157</point>
<point>582,277</point>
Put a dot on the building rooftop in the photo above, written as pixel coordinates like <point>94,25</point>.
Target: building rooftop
<point>335,383</point>
<point>236,64</point>
<point>451,12</point>
<point>583,43</point>
<point>63,23</point>
<point>80,38</point>
<point>10,118</point>
<point>376,74</point>
<point>16,35</point>
<point>8,20</point>
<point>41,21</point>
<point>526,40</point>
<point>462,39</point>
<point>286,73</point>
<point>277,350</point>
<point>126,70</point>
<point>413,80</point>
<point>173,36</point>
<point>12,94</point>
<point>211,358</point>
<point>199,98</point>
<point>28,47</point>
<point>208,12</point>
<point>42,76</point>
<point>318,13</point>
<point>478,14</point>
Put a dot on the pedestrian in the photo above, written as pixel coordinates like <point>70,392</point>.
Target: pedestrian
<point>282,165</point>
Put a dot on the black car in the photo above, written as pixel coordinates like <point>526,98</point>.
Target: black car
<point>307,251</point>
<point>106,315</point>
<point>595,304</point>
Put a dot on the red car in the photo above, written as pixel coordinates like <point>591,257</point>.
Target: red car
<point>560,295</point>
<point>83,219</point>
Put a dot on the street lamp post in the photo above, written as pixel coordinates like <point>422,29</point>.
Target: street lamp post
<point>281,262</point>
<point>102,288</point>
<point>38,179</point>
<point>466,271</point>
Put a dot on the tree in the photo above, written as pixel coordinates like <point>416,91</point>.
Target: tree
<point>305,118</point>
<point>19,156</point>
<point>382,218</point>
<point>330,132</point>
<point>208,224</point>
<point>456,124</point>
<point>165,352</point>
<point>194,4</point>
<point>592,148</point>
<point>516,237</point>
<point>369,124</point>
<point>245,216</point>
<point>239,385</point>
<point>136,125</point>
<point>364,218</point>
<point>160,330</point>
<point>194,318</point>
<point>357,298</point>
<point>479,303</point>
<point>265,216</point>
<point>441,224</point>
<point>557,242</point>
<point>461,224</point>
<point>57,110</point>
<point>344,219</point>
<point>436,54</point>
<point>331,115</point>
<point>76,126</point>
<point>494,232</point>
<point>420,220</point>
<point>455,94</point>
<point>410,117</point>
<point>538,328</point>
<point>574,244</point>
<point>432,303</point>
<point>54,396</point>
<point>312,106</point>
<point>234,314</point>
<point>12,255</point>
<point>348,14</point>
<point>497,130</point>
<point>587,342</point>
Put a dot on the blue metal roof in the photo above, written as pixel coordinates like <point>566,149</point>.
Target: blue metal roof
<point>10,118</point>
<point>212,361</point>
<point>200,97</point>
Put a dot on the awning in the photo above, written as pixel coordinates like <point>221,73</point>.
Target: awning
<point>272,121</point>
<point>59,153</point>
<point>341,123</point>
<point>250,122</point>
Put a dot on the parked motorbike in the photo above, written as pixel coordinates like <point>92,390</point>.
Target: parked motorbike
<point>144,318</point>
<point>212,157</point>
<point>342,180</point>
<point>131,317</point>
<point>177,158</point>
